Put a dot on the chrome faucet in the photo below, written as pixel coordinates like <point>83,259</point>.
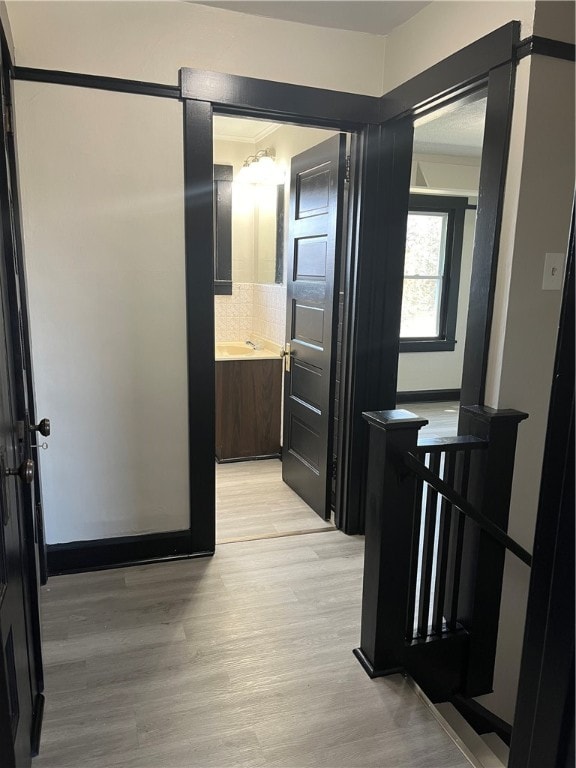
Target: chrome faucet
<point>253,345</point>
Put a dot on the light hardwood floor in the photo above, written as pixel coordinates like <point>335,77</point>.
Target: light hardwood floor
<point>253,502</point>
<point>442,417</point>
<point>244,659</point>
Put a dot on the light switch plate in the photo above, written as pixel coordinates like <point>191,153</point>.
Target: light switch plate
<point>553,272</point>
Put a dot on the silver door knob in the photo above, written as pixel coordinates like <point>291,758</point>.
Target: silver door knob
<point>25,471</point>
<point>43,427</point>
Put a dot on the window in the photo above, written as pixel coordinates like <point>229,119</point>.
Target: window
<point>432,273</point>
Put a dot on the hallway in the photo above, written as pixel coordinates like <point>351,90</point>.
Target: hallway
<point>240,660</point>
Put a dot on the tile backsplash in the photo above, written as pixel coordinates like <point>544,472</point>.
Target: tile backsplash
<point>233,314</point>
<point>269,312</point>
<point>253,310</point>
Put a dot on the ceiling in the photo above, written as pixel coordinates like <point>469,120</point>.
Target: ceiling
<point>242,129</point>
<point>458,132</point>
<point>378,17</point>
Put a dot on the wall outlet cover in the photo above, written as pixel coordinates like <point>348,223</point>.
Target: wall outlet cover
<point>553,271</point>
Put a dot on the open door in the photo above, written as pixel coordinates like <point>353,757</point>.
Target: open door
<point>16,695</point>
<point>21,676</point>
<point>314,244</point>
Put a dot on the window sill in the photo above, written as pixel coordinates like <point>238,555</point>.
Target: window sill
<point>427,345</point>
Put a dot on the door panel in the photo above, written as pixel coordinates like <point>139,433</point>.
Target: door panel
<point>21,678</point>
<point>316,193</point>
<point>16,698</point>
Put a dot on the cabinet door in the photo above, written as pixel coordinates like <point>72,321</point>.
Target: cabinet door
<point>248,395</point>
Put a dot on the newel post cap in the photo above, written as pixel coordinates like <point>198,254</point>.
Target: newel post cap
<point>397,419</point>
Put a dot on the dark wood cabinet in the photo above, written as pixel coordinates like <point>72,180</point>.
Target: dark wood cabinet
<point>248,408</point>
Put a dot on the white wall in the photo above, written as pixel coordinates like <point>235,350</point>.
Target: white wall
<point>443,28</point>
<point>539,190</point>
<point>102,202</point>
<point>152,40</point>
<point>5,21</point>
<point>555,19</point>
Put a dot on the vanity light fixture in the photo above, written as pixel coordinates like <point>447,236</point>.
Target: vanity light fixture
<point>261,168</point>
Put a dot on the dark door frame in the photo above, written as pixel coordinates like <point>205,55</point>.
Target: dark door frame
<point>203,93</point>
<point>33,560</point>
<point>380,167</point>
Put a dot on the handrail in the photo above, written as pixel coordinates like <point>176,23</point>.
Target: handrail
<point>449,444</point>
<point>466,508</point>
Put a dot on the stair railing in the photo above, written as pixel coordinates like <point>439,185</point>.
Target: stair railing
<point>436,537</point>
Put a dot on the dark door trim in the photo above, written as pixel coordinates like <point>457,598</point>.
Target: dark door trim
<point>373,300</point>
<point>452,77</point>
<point>495,149</point>
<point>257,99</point>
<point>199,256</point>
<point>316,106</point>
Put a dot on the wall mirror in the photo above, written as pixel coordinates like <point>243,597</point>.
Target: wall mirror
<point>446,161</point>
<point>249,204</point>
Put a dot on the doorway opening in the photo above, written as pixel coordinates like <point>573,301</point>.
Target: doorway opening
<point>280,200</point>
<point>444,185</point>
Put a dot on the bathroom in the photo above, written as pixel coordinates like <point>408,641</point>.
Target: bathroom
<point>251,228</point>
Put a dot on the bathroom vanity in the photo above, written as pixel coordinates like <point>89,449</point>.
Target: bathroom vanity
<point>248,402</point>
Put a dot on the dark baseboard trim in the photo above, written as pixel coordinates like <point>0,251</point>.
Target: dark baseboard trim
<point>481,719</point>
<point>38,718</point>
<point>79,80</point>
<point>544,46</point>
<point>428,396</point>
<point>264,457</point>
<point>369,669</point>
<point>120,552</point>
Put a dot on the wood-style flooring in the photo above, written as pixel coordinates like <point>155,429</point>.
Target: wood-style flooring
<point>243,659</point>
<point>442,417</point>
<point>252,502</point>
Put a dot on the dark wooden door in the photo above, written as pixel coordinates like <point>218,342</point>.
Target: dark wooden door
<point>12,237</point>
<point>314,245</point>
<point>16,692</point>
<point>21,678</point>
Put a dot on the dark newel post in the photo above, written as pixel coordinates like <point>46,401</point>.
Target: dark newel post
<point>390,492</point>
<point>490,489</point>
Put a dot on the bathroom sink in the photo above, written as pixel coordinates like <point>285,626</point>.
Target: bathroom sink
<point>238,350</point>
<point>235,350</point>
